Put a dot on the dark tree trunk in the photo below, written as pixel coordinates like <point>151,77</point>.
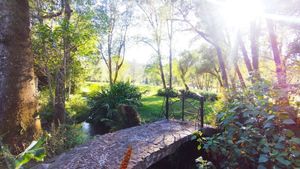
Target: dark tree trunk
<point>254,49</point>
<point>245,55</point>
<point>280,72</point>
<point>161,70</point>
<point>17,83</point>
<point>170,34</point>
<point>60,91</point>
<point>109,52</point>
<point>237,70</point>
<point>222,67</point>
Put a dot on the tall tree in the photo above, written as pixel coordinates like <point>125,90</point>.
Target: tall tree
<point>254,34</point>
<point>280,71</point>
<point>209,31</point>
<point>185,64</point>
<point>245,54</point>
<point>60,92</point>
<point>113,22</point>
<point>170,30</point>
<point>156,22</point>
<point>17,81</point>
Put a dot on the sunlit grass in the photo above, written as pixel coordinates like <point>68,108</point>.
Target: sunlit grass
<point>153,106</point>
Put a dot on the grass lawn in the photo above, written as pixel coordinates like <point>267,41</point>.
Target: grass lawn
<point>151,109</point>
<point>152,105</point>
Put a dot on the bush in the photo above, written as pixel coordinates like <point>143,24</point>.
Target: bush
<point>119,93</point>
<point>104,106</point>
<point>253,135</point>
<point>63,138</point>
<point>77,108</point>
<point>209,96</point>
<point>35,151</point>
<point>167,92</point>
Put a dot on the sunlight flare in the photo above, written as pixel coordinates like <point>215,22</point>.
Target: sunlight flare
<point>240,12</point>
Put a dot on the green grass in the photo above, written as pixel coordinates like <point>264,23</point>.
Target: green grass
<point>151,110</point>
<point>152,105</point>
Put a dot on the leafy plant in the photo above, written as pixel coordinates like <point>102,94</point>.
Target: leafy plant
<point>35,151</point>
<point>77,107</point>
<point>254,135</point>
<point>63,138</point>
<point>119,93</point>
<point>209,96</point>
<point>167,92</point>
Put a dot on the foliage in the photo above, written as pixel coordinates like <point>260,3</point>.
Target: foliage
<point>35,151</point>
<point>209,96</point>
<point>77,107</point>
<point>119,93</point>
<point>104,104</point>
<point>167,92</point>
<point>253,135</point>
<point>63,138</point>
<point>46,108</point>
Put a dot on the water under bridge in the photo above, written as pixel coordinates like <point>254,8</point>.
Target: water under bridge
<point>150,143</point>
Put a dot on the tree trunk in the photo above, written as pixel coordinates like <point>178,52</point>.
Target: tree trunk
<point>222,67</point>
<point>170,35</point>
<point>109,60</point>
<point>254,49</point>
<point>161,69</point>
<point>280,72</point>
<point>170,63</point>
<point>237,70</point>
<point>245,55</point>
<point>60,91</point>
<point>17,83</point>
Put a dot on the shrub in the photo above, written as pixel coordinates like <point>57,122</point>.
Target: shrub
<point>167,92</point>
<point>209,96</point>
<point>63,138</point>
<point>119,93</point>
<point>35,151</point>
<point>111,120</point>
<point>253,135</point>
<point>77,108</point>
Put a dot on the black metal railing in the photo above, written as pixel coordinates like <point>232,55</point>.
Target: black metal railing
<point>185,99</point>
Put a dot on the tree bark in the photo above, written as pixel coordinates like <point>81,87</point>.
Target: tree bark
<point>162,75</point>
<point>60,91</point>
<point>222,67</point>
<point>18,102</point>
<point>237,70</point>
<point>254,49</point>
<point>280,72</point>
<point>245,55</point>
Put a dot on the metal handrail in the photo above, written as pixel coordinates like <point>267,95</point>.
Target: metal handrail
<point>188,95</point>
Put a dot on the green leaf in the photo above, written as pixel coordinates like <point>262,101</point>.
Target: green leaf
<point>289,133</point>
<point>283,161</point>
<point>295,140</point>
<point>263,158</point>
<point>261,167</point>
<point>296,153</point>
<point>268,125</point>
<point>271,117</point>
<point>194,137</point>
<point>266,150</point>
<point>288,121</point>
<point>279,146</point>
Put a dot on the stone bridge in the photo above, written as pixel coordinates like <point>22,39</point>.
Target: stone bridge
<point>150,143</point>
